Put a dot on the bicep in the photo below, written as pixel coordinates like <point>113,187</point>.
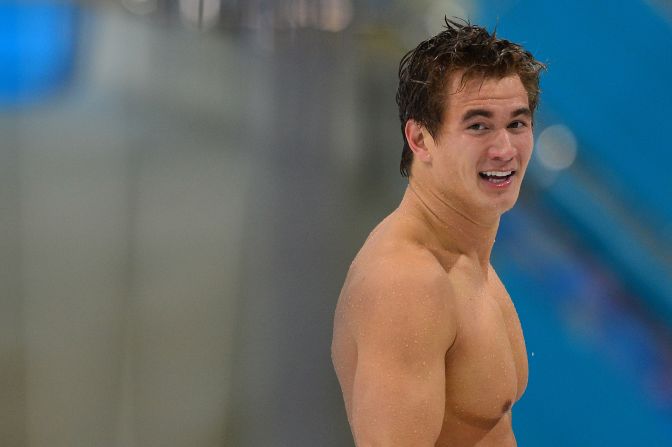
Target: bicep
<point>398,397</point>
<point>403,323</point>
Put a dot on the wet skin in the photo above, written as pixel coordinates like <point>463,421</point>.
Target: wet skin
<point>427,344</point>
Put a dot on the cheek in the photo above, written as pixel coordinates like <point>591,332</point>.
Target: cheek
<point>525,146</point>
<point>456,168</point>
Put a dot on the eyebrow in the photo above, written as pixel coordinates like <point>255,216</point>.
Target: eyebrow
<point>522,111</point>
<point>488,114</point>
<point>476,112</point>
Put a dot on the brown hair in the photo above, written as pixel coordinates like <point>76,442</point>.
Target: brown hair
<point>425,71</point>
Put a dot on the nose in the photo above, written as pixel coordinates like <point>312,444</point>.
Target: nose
<point>502,148</point>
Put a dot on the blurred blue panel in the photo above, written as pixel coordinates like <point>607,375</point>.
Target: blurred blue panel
<point>38,43</point>
<point>648,274</point>
<point>599,370</point>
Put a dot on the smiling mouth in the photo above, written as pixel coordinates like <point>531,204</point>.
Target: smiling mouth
<point>496,177</point>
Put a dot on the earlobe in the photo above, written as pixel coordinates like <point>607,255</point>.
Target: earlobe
<point>419,140</point>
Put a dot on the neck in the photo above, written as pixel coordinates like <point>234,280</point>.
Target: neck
<point>457,229</point>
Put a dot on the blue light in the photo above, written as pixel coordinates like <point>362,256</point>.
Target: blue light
<point>38,44</point>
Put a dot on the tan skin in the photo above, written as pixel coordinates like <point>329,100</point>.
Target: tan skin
<point>427,344</point>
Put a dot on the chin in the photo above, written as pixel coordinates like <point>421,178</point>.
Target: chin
<point>509,203</point>
<point>503,203</point>
<point>507,208</point>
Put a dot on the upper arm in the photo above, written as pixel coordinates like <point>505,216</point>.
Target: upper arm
<point>403,329</point>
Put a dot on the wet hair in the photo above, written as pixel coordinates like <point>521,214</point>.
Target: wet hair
<point>425,71</point>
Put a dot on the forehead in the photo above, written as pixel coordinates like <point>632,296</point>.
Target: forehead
<point>506,92</point>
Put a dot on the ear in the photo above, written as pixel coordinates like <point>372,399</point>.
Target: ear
<point>419,140</point>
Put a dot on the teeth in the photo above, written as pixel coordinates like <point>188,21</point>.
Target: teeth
<point>498,173</point>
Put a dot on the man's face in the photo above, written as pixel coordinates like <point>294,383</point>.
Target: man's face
<point>483,145</point>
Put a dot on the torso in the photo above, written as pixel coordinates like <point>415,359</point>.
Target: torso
<point>486,367</point>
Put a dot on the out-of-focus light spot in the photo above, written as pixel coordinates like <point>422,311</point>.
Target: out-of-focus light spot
<point>140,7</point>
<point>202,13</point>
<point>38,42</point>
<point>325,15</point>
<point>304,14</point>
<point>556,148</point>
<point>336,15</point>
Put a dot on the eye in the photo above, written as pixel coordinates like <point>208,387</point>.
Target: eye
<point>517,125</point>
<point>477,126</point>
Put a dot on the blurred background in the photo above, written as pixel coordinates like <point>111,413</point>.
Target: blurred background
<point>183,184</point>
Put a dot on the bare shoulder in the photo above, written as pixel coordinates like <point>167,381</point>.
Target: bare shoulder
<point>394,325</point>
<point>397,288</point>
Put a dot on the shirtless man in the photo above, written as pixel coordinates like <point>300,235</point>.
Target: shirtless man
<point>427,344</point>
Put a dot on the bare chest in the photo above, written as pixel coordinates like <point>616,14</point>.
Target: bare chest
<point>486,369</point>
